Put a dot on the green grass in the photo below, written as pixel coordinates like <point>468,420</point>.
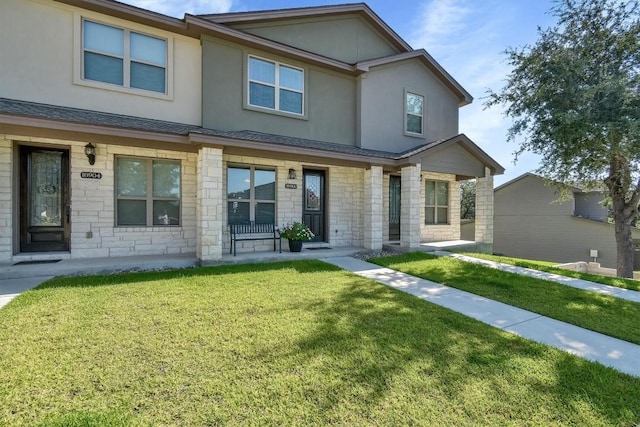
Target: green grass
<point>548,267</point>
<point>601,313</point>
<point>300,343</point>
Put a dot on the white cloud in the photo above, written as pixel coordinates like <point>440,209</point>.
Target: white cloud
<point>178,8</point>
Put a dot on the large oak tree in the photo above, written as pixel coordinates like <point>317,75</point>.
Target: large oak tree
<point>574,97</point>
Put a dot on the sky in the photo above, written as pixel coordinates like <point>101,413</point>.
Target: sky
<point>467,37</point>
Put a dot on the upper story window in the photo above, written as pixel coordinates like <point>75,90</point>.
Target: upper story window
<point>414,114</point>
<point>275,86</point>
<point>122,57</point>
<point>436,202</point>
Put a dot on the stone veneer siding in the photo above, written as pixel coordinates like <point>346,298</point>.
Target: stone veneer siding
<point>484,211</point>
<point>411,202</point>
<point>373,205</point>
<point>6,199</point>
<point>93,204</point>
<point>343,201</point>
<point>451,231</point>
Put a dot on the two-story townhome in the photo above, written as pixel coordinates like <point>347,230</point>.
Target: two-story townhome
<point>123,131</point>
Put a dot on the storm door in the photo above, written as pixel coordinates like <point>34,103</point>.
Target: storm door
<point>313,204</point>
<point>44,200</point>
<point>394,207</point>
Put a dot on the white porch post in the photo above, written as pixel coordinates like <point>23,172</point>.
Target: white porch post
<point>210,199</point>
<point>373,214</point>
<point>410,206</point>
<point>484,212</point>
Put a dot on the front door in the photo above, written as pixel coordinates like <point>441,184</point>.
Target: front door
<point>44,199</point>
<point>394,207</point>
<point>313,204</point>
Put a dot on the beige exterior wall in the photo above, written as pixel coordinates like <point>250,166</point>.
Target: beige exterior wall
<point>451,231</point>
<point>344,187</point>
<point>93,204</point>
<point>6,199</point>
<point>43,37</point>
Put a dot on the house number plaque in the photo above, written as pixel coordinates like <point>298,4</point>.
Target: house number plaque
<point>291,186</point>
<point>91,175</point>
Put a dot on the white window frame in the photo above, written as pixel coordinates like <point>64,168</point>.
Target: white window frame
<point>407,132</point>
<point>253,202</point>
<point>435,206</point>
<point>78,73</point>
<point>276,86</point>
<point>148,198</point>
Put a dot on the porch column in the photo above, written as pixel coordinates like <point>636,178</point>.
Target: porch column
<point>210,199</point>
<point>373,214</point>
<point>410,206</point>
<point>6,200</point>
<point>484,212</point>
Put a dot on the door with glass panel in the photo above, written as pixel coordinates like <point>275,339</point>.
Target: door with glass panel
<point>394,207</point>
<point>44,200</point>
<point>313,214</point>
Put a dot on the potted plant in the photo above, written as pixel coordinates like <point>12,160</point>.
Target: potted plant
<point>296,233</point>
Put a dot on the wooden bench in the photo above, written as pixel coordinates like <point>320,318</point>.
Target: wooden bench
<point>248,230</point>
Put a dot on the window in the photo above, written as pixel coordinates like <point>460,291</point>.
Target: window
<point>251,195</point>
<point>436,202</point>
<point>147,192</point>
<point>275,86</point>
<point>122,57</point>
<point>414,106</point>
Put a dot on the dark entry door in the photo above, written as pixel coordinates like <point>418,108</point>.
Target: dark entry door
<point>44,200</point>
<point>313,204</point>
<point>394,207</point>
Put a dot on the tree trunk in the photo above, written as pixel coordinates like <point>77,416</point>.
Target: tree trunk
<point>624,246</point>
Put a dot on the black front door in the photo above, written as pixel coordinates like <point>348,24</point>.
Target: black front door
<point>44,199</point>
<point>313,204</point>
<point>394,207</point>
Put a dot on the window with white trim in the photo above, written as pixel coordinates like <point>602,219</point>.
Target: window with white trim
<point>123,57</point>
<point>147,192</point>
<point>275,86</point>
<point>251,195</point>
<point>414,112</point>
<point>436,206</point>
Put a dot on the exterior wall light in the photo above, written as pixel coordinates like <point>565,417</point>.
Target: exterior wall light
<point>292,173</point>
<point>90,151</point>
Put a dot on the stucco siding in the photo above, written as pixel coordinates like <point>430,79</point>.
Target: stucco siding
<point>381,109</point>
<point>42,40</point>
<point>453,159</point>
<point>348,39</point>
<point>330,98</point>
<point>530,223</point>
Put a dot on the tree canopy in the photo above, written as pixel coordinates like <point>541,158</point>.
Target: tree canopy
<point>574,96</point>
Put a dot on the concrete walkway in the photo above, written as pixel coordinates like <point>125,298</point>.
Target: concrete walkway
<point>618,354</point>
<point>563,280</point>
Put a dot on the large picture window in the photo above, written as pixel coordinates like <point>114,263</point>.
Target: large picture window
<point>122,57</point>
<point>147,192</point>
<point>414,111</point>
<point>275,86</point>
<point>251,195</point>
<point>436,202</point>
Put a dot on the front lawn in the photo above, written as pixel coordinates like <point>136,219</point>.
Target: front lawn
<point>299,343</point>
<point>548,267</point>
<point>601,313</point>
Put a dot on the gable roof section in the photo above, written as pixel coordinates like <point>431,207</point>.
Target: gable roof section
<point>574,188</point>
<point>426,59</point>
<point>415,154</point>
<point>361,9</point>
<point>74,120</point>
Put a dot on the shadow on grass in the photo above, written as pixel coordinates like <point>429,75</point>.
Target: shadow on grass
<point>375,335</point>
<point>300,266</point>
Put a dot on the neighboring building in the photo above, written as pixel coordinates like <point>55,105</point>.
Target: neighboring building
<point>323,114</point>
<point>530,222</point>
